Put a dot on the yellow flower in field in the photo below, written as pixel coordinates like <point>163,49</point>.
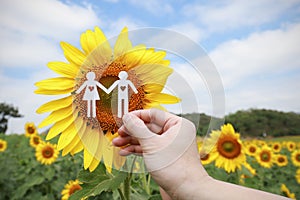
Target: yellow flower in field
<point>265,157</point>
<point>3,145</point>
<point>296,158</point>
<point>291,146</point>
<point>30,129</point>
<point>35,140</point>
<point>261,143</point>
<point>70,188</point>
<point>207,158</point>
<point>46,153</point>
<point>297,176</point>
<point>287,192</point>
<point>228,147</point>
<point>251,149</point>
<point>276,147</point>
<point>146,68</point>
<point>281,160</point>
<point>250,168</point>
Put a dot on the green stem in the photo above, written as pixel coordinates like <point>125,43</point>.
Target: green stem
<point>127,182</point>
<point>121,194</point>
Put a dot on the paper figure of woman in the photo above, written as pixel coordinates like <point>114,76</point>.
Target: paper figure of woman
<point>91,94</point>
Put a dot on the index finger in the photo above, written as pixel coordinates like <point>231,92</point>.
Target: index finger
<point>154,116</point>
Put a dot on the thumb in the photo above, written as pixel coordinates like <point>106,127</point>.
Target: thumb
<point>136,127</point>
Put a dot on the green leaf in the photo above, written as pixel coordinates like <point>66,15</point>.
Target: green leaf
<point>36,180</point>
<point>97,182</point>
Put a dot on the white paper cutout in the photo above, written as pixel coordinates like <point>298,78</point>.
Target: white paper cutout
<point>123,83</point>
<point>91,93</point>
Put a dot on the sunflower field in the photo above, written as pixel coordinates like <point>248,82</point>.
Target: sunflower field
<point>33,168</point>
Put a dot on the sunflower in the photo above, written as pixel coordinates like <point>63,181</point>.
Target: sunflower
<point>228,147</point>
<point>3,145</point>
<point>251,149</point>
<point>35,140</point>
<point>291,146</point>
<point>70,188</point>
<point>207,157</point>
<point>286,192</point>
<point>30,129</point>
<point>296,158</point>
<point>276,147</point>
<point>146,69</point>
<point>281,160</point>
<point>265,157</point>
<point>46,153</point>
<point>297,176</point>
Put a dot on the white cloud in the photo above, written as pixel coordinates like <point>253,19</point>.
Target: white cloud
<point>261,53</point>
<point>46,18</point>
<point>224,15</point>
<point>261,70</point>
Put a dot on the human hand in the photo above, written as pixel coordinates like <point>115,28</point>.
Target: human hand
<point>168,145</point>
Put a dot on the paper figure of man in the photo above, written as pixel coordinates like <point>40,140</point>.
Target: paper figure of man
<point>123,85</point>
<point>91,93</point>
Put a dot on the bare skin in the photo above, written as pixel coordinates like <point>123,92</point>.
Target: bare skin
<point>152,133</point>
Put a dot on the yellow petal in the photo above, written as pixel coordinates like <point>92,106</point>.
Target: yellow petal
<point>67,137</point>
<point>153,88</point>
<point>72,54</point>
<point>162,98</point>
<point>56,116</point>
<point>60,126</point>
<point>55,105</point>
<point>77,148</point>
<point>59,83</point>
<point>153,74</point>
<point>64,69</point>
<point>87,158</point>
<point>94,164</point>
<point>71,146</point>
<point>91,140</point>
<point>123,44</point>
<point>88,41</point>
<point>118,160</point>
<point>53,92</point>
<point>108,154</point>
<point>154,105</point>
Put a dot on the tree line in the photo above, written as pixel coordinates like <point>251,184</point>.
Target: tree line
<point>253,122</point>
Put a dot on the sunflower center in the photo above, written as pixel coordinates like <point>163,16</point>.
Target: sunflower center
<point>298,157</point>
<point>252,149</point>
<point>36,140</point>
<point>47,152</point>
<point>281,159</point>
<point>74,188</point>
<point>30,129</point>
<point>204,157</point>
<point>229,147</point>
<point>106,108</point>
<point>265,156</point>
<point>276,147</point>
<point>1,145</point>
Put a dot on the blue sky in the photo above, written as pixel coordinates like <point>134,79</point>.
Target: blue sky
<point>254,45</point>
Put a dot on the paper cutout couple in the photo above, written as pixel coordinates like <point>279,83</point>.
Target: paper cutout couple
<point>91,94</point>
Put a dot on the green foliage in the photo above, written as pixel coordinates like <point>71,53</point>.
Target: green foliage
<point>253,123</point>
<point>23,177</point>
<point>7,111</point>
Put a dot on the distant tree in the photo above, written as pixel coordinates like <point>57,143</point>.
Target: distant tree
<point>7,111</point>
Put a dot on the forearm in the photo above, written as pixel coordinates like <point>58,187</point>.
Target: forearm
<point>209,188</point>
